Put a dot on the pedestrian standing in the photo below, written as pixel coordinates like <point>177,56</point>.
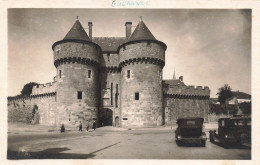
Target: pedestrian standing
<point>62,128</point>
<point>80,126</point>
<point>87,126</point>
<point>94,125</point>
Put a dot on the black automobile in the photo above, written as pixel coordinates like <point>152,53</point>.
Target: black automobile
<point>190,130</point>
<point>233,130</point>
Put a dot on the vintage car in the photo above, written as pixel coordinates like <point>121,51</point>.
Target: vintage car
<point>190,130</point>
<point>232,130</point>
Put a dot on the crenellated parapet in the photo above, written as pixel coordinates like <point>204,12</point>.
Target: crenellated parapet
<point>72,60</point>
<point>111,69</point>
<point>182,91</point>
<point>145,60</point>
<point>32,96</point>
<point>44,88</point>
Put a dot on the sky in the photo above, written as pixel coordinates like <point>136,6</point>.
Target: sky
<point>208,47</point>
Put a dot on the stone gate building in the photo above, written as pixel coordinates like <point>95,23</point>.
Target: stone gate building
<point>113,80</point>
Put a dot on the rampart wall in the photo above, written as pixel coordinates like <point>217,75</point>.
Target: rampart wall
<point>185,101</point>
<point>40,108</point>
<point>44,88</point>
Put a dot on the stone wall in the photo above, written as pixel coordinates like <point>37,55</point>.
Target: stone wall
<point>142,50</point>
<point>74,79</point>
<point>44,88</point>
<point>110,90</point>
<point>35,109</point>
<point>78,88</point>
<point>185,107</point>
<point>143,62</point>
<point>77,50</point>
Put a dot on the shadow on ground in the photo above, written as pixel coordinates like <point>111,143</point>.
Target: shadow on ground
<point>232,146</point>
<point>51,153</point>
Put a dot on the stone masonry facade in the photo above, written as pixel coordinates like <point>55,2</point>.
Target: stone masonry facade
<point>111,81</point>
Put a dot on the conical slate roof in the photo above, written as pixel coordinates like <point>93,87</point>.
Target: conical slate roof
<point>141,33</point>
<point>77,32</point>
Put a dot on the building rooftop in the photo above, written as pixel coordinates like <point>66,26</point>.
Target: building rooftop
<point>175,82</point>
<point>77,32</point>
<point>241,95</point>
<point>109,44</point>
<point>141,32</point>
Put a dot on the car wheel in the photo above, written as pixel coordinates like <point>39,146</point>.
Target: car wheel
<point>178,143</point>
<point>225,144</point>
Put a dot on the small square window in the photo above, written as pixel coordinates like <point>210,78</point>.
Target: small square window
<point>79,95</point>
<point>128,73</point>
<point>136,95</point>
<point>89,73</point>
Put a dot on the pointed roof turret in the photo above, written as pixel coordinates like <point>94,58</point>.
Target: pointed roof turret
<point>77,32</point>
<point>141,33</point>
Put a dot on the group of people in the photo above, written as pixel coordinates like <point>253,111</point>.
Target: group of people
<point>94,126</point>
<point>87,126</point>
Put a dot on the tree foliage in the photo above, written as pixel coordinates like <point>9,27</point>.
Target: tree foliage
<point>224,94</point>
<point>27,88</point>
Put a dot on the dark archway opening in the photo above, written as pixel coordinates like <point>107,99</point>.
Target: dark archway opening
<point>106,117</point>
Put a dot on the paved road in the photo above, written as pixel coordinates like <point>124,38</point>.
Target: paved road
<point>104,144</point>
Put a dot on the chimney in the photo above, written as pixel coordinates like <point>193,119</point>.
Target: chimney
<point>181,78</point>
<point>90,30</point>
<point>128,26</point>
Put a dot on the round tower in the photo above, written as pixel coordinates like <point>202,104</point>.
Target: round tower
<point>77,61</point>
<point>142,59</point>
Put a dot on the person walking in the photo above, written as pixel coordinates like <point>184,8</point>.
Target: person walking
<point>94,125</point>
<point>87,126</point>
<point>80,126</point>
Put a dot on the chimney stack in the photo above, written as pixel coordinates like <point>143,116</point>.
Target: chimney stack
<point>128,26</point>
<point>90,24</point>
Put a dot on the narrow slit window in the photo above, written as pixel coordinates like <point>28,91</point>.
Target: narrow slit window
<point>136,95</point>
<point>128,73</point>
<point>111,88</point>
<point>116,96</point>
<point>89,73</point>
<point>105,86</point>
<point>108,57</point>
<point>59,73</point>
<point>79,95</point>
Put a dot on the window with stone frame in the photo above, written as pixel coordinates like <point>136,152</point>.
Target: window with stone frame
<point>79,95</point>
<point>89,74</point>
<point>136,95</point>
<point>128,73</point>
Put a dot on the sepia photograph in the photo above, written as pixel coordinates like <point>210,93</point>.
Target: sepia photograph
<point>102,83</point>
